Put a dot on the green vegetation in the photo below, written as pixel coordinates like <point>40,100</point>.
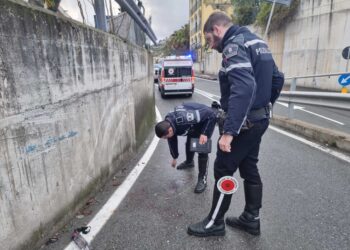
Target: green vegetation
<point>282,15</point>
<point>257,12</point>
<point>178,43</point>
<point>53,4</point>
<point>49,4</point>
<point>245,11</point>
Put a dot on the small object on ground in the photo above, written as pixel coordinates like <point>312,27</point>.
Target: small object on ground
<point>86,212</point>
<point>80,216</point>
<point>115,183</point>
<point>79,240</point>
<point>91,201</point>
<point>51,240</point>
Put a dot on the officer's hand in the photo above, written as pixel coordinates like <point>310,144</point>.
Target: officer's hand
<point>173,163</point>
<point>225,142</point>
<point>203,139</point>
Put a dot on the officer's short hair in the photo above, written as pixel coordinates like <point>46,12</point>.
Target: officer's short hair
<point>217,18</point>
<point>162,128</point>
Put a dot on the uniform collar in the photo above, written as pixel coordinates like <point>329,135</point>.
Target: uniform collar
<point>170,118</point>
<point>229,33</point>
<point>233,31</point>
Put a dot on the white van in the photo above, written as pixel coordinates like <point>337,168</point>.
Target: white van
<point>176,77</point>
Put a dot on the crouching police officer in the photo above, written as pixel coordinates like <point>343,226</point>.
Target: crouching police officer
<point>249,81</point>
<point>193,120</point>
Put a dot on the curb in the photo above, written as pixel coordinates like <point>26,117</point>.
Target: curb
<point>208,77</point>
<point>332,138</point>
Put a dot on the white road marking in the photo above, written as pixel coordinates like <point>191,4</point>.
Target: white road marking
<point>312,144</point>
<point>117,197</point>
<point>207,79</point>
<point>296,107</point>
<point>310,112</point>
<point>207,95</point>
<point>324,117</point>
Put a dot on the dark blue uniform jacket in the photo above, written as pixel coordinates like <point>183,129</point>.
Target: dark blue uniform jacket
<point>249,78</point>
<point>189,116</point>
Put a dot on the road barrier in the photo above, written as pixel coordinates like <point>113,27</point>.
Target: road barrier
<point>324,99</point>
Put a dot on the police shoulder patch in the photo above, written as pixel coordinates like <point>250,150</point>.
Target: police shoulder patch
<point>238,39</point>
<point>230,50</point>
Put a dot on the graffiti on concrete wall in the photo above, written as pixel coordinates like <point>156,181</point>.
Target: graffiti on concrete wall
<point>51,141</point>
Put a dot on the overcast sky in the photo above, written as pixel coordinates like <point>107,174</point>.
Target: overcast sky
<point>167,15</point>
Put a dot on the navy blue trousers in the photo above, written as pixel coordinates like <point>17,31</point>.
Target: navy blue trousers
<point>243,156</point>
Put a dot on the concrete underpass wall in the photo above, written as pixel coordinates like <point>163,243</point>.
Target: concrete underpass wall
<point>314,40</point>
<point>211,63</point>
<point>74,103</point>
<point>310,44</point>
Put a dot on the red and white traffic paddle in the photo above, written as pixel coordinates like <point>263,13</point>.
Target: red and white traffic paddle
<point>227,185</point>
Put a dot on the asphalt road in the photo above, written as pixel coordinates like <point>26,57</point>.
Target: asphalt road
<point>306,201</point>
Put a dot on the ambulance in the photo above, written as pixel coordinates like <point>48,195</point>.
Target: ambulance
<point>176,76</point>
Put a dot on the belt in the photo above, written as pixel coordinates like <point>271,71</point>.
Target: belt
<point>259,114</point>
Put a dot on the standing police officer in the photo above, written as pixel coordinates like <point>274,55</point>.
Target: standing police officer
<point>193,120</point>
<point>249,81</point>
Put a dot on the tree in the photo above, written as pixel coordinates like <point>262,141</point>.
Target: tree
<point>178,43</point>
<point>257,12</point>
<point>245,11</point>
<point>51,4</point>
<point>281,15</point>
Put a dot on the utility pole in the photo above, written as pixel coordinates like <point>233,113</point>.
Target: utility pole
<point>347,61</point>
<point>101,22</point>
<point>269,21</point>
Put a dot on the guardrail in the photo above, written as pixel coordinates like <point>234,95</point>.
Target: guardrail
<point>324,99</point>
<point>315,76</point>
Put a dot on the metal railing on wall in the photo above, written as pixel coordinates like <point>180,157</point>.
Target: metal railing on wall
<point>323,99</point>
<point>134,11</point>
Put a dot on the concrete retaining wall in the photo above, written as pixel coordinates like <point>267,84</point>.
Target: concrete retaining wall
<point>74,103</point>
<point>314,40</point>
<point>311,44</point>
<point>210,65</point>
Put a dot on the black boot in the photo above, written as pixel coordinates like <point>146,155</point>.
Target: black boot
<point>249,220</point>
<point>200,229</point>
<point>215,220</point>
<point>185,165</point>
<point>201,185</point>
<point>202,174</point>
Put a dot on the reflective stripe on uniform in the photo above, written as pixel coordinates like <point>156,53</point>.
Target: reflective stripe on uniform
<point>255,41</point>
<point>232,37</point>
<point>238,65</point>
<point>198,116</point>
